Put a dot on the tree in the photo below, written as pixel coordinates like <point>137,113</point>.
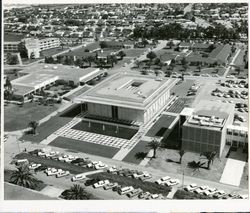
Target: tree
<point>12,59</point>
<point>33,125</point>
<point>23,50</point>
<point>137,63</point>
<point>181,153</point>
<point>103,44</point>
<point>111,59</point>
<point>68,60</point>
<point>49,60</point>
<point>210,156</point>
<point>154,144</point>
<point>76,192</point>
<point>151,55</point>
<point>59,59</point>
<point>121,54</point>
<point>32,55</point>
<point>8,84</point>
<point>23,177</point>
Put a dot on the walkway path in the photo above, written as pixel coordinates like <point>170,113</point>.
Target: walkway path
<point>232,172</point>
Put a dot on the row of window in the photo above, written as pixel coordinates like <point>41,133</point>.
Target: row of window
<point>241,134</point>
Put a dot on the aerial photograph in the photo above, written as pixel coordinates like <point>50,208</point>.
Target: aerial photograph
<point>125,101</point>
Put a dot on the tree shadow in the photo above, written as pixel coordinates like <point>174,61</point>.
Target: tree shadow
<point>141,155</point>
<point>172,161</point>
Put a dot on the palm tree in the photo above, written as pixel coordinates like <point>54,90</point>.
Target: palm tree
<point>210,156</point>
<point>154,144</point>
<point>33,125</point>
<point>181,153</point>
<point>76,192</point>
<point>23,177</point>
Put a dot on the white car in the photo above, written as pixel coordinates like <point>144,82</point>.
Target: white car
<point>41,154</point>
<point>51,154</point>
<point>154,196</point>
<point>162,180</point>
<point>219,194</point>
<point>113,169</point>
<point>62,174</point>
<point>78,177</point>
<point>70,158</point>
<point>101,183</point>
<point>210,191</point>
<point>100,166</point>
<point>34,166</point>
<point>125,190</point>
<point>191,187</point>
<point>200,189</point>
<point>172,182</point>
<point>63,157</point>
<point>53,171</point>
<point>93,163</point>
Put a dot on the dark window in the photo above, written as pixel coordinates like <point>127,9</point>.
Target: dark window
<point>114,112</point>
<point>235,133</point>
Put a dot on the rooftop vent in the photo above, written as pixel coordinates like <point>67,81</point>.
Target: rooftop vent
<point>54,67</point>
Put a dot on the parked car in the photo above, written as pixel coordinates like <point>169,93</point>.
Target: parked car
<point>100,166</point>
<point>162,180</point>
<point>200,189</point>
<point>172,182</point>
<point>135,192</point>
<point>144,195</point>
<point>219,194</point>
<point>113,169</point>
<point>140,174</point>
<point>90,182</point>
<point>52,171</point>
<point>110,186</point>
<point>78,177</point>
<point>34,166</point>
<point>62,174</point>
<point>145,177</point>
<point>101,183</point>
<point>191,187</point>
<point>41,154</point>
<point>40,168</point>
<point>125,190</point>
<point>51,154</point>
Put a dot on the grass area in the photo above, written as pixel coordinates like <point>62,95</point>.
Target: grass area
<point>168,161</point>
<point>73,169</point>
<point>30,60</point>
<point>7,175</point>
<point>85,147</point>
<point>110,130</point>
<point>52,51</point>
<point>46,129</point>
<point>14,192</point>
<point>127,181</point>
<point>134,52</point>
<point>16,117</point>
<point>140,147</point>
<point>163,122</point>
<point>184,195</point>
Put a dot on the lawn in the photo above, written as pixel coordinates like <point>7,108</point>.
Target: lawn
<point>163,122</point>
<point>134,52</point>
<point>110,130</point>
<point>7,176</point>
<point>168,161</point>
<point>140,147</point>
<point>16,117</point>
<point>85,147</point>
<point>53,163</point>
<point>52,51</point>
<point>14,192</point>
<point>46,129</point>
<point>127,181</point>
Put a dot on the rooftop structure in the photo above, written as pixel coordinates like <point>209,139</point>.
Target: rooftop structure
<point>129,90</point>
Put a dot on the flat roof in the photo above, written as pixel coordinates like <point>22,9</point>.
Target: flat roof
<point>187,111</point>
<point>33,79</point>
<point>212,108</point>
<point>127,90</point>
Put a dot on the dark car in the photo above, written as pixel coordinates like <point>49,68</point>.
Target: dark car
<point>40,168</point>
<point>35,152</point>
<point>78,160</point>
<point>90,182</point>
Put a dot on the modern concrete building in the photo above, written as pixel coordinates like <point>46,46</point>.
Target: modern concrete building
<point>237,136</point>
<point>206,128</point>
<point>11,46</point>
<point>128,98</point>
<point>39,76</point>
